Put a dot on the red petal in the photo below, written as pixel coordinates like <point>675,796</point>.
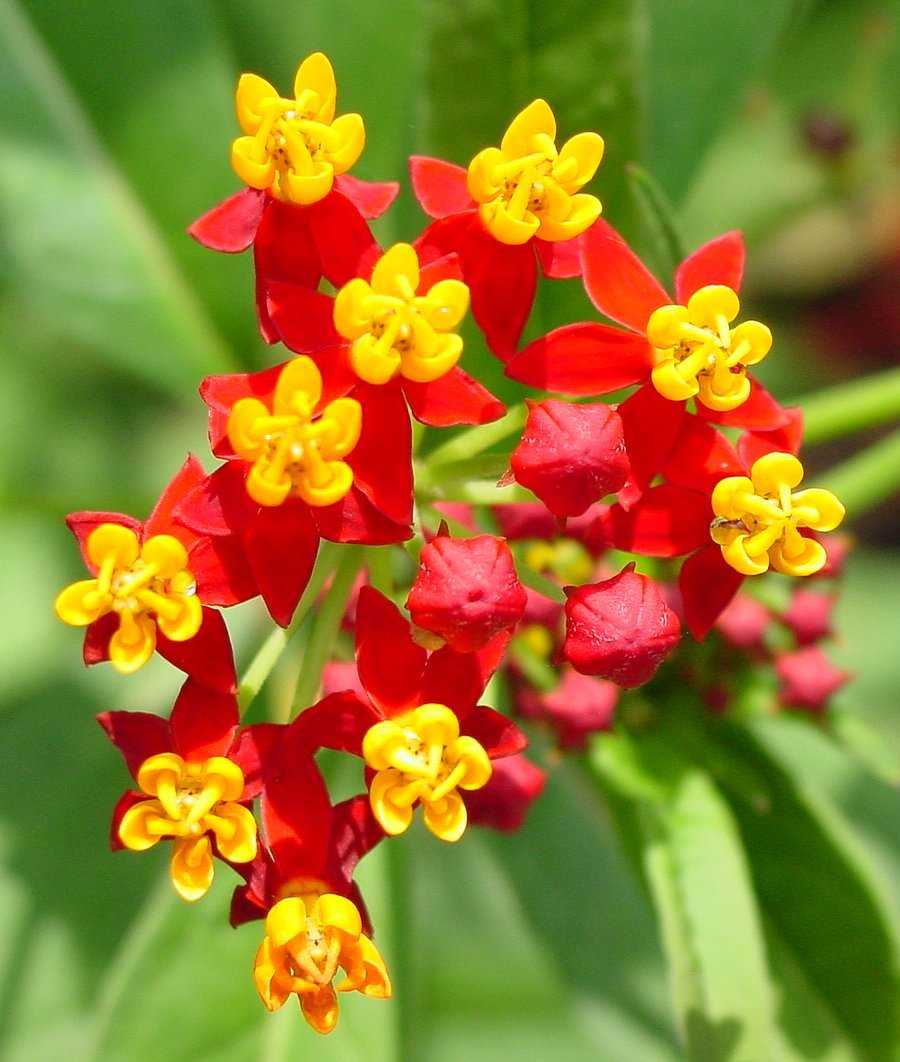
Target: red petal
<point>666,522</point>
<point>701,457</point>
<point>588,358</point>
<point>219,504</point>
<point>204,721</point>
<point>281,546</point>
<point>455,679</point>
<point>355,519</point>
<point>137,735</point>
<point>498,735</point>
<point>252,752</point>
<point>303,318</point>
<point>707,585</point>
<point>207,656</point>
<point>284,248</point>
<point>354,833</point>
<point>761,412</point>
<point>390,664</point>
<point>371,198</point>
<point>221,392</point>
<point>560,260</point>
<point>652,424</point>
<point>439,186</point>
<point>127,800</point>
<point>616,280</point>
<point>160,521</point>
<point>96,639</point>
<point>753,444</point>
<point>446,268</point>
<point>455,398</point>
<point>382,459</point>
<point>82,524</point>
<point>223,574</point>
<point>232,225</point>
<point>342,238</point>
<point>339,722</point>
<point>721,261</point>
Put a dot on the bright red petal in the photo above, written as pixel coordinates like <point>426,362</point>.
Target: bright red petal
<point>82,524</point>
<point>721,261</point>
<point>616,280</point>
<point>204,721</point>
<point>281,546</point>
<point>652,424</point>
<point>160,521</point>
<point>339,722</point>
<point>220,394</point>
<point>354,833</point>
<point>252,751</point>
<point>284,249</point>
<point>498,735</point>
<point>439,186</point>
<point>389,662</point>
<point>355,519</point>
<point>342,238</point>
<point>223,574</point>
<point>382,459</point>
<point>447,268</point>
<point>588,358</point>
<point>219,504</point>
<point>666,522</point>
<point>371,198</point>
<point>761,412</point>
<point>754,444</point>
<point>454,679</point>
<point>304,318</point>
<point>207,656</point>
<point>137,735</point>
<point>455,398</point>
<point>707,585</point>
<point>560,260</point>
<point>232,225</point>
<point>701,457</point>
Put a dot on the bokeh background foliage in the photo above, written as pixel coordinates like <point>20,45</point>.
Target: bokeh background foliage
<point>770,851</point>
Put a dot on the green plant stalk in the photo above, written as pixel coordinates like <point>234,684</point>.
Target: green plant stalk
<point>867,478</point>
<point>269,653</point>
<point>851,407</point>
<point>328,620</point>
<point>540,583</point>
<point>659,213</point>
<point>378,565</point>
<point>482,492</point>
<point>476,440</point>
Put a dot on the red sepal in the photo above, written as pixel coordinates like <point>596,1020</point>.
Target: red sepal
<point>439,186</point>
<point>498,735</point>
<point>231,226</point>
<point>721,261</point>
<point>389,662</point>
<point>617,281</point>
<point>707,585</point>
<point>204,721</point>
<point>455,398</point>
<point>371,198</point>
<point>666,522</point>
<point>137,735</point>
<point>560,260</point>
<point>281,546</point>
<point>207,656</point>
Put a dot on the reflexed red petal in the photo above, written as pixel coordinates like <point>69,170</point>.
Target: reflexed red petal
<point>160,521</point>
<point>701,457</point>
<point>439,186</point>
<point>455,398</point>
<point>281,546</point>
<point>207,656</point>
<point>666,522</point>
<point>616,280</point>
<point>221,392</point>
<point>127,800</point>
<point>707,585</point>
<point>721,261</point>
<point>455,679</point>
<point>204,721</point>
<point>222,571</point>
<point>560,260</point>
<point>505,801</point>
<point>137,735</point>
<point>303,318</point>
<point>588,358</point>
<point>389,662</point>
<point>761,412</point>
<point>382,459</point>
<point>354,833</point>
<point>371,198</point>
<point>252,751</point>
<point>96,639</point>
<point>339,721</point>
<point>355,519</point>
<point>497,734</point>
<point>652,424</point>
<point>342,238</point>
<point>82,524</point>
<point>755,444</point>
<point>491,656</point>
<point>219,504</point>
<point>284,248</point>
<point>231,226</point>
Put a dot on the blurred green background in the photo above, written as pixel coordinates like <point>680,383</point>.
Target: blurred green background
<point>774,116</point>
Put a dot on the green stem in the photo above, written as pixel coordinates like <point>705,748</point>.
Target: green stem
<point>431,479</point>
<point>481,492</point>
<point>538,672</point>
<point>867,478</point>
<point>851,407</point>
<point>658,213</point>
<point>380,569</point>
<point>476,440</point>
<point>328,620</point>
<point>269,653</point>
<point>540,583</point>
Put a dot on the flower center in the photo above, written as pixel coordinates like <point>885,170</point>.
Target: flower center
<point>420,757</point>
<point>697,352</point>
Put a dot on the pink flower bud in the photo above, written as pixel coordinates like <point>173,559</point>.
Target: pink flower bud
<point>621,629</point>
<point>809,616</point>
<point>808,678</point>
<point>744,623</point>
<point>466,591</point>
<point>525,520</point>
<point>580,706</point>
<point>571,455</point>
<point>505,801</point>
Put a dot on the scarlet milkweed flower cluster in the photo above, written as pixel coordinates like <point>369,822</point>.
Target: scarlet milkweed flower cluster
<point>695,472</point>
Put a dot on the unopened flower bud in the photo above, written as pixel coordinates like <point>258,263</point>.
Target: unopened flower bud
<point>580,706</point>
<point>744,622</point>
<point>808,679</point>
<point>505,801</point>
<point>809,616</point>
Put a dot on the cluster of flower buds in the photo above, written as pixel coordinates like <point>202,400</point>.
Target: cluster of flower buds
<point>694,476</point>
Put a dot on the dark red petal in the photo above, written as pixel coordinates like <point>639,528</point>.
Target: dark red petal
<point>382,459</point>
<point>232,225</point>
<point>439,186</point>
<point>652,424</point>
<point>137,735</point>
<point>355,519</point>
<point>96,639</point>
<point>354,833</point>
<point>721,261</point>
<point>455,398</point>
<point>160,521</point>
<point>127,800</point>
<point>707,585</point>
<point>666,522</point>
<point>588,358</point>
<point>498,735</point>
<point>284,248</point>
<point>371,198</point>
<point>207,656</point>
<point>701,457</point>
<point>281,546</point>
<point>754,444</point>
<point>219,504</point>
<point>252,751</point>
<point>616,280</point>
<point>761,412</point>
<point>339,721</point>
<point>303,318</point>
<point>82,524</point>
<point>389,662</point>
<point>204,721</point>
<point>560,260</point>
<point>342,238</point>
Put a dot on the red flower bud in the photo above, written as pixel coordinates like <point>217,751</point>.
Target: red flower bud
<point>744,623</point>
<point>571,455</point>
<point>808,678</point>
<point>809,616</point>
<point>466,591</point>
<point>621,629</point>
<point>525,520</point>
<point>505,801</point>
<point>580,706</point>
